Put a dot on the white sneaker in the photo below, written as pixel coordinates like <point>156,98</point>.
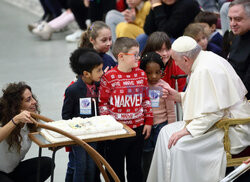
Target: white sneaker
<point>43,30</point>
<point>74,37</point>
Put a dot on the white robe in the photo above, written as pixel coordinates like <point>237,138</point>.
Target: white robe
<point>214,91</point>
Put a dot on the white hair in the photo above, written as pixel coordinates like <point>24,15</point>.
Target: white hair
<point>192,54</point>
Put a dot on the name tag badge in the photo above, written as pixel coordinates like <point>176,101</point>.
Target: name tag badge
<point>154,97</point>
<point>85,106</point>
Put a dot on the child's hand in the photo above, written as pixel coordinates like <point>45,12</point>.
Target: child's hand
<point>107,68</point>
<point>146,131</point>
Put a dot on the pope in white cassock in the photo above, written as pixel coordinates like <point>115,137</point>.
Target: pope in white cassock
<point>192,150</point>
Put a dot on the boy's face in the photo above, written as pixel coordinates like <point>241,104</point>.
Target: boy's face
<point>201,39</point>
<point>131,58</point>
<point>96,73</point>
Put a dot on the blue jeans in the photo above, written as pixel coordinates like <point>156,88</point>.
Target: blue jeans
<point>81,166</point>
<point>142,39</point>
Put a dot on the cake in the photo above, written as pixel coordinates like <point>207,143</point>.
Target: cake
<point>94,127</point>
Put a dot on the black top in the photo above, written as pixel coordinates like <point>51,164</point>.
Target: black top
<point>71,105</point>
<point>171,19</point>
<point>239,58</point>
<point>107,61</point>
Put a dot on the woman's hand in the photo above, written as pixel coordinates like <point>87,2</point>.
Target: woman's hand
<point>146,131</point>
<point>176,136</point>
<point>129,15</point>
<point>23,117</point>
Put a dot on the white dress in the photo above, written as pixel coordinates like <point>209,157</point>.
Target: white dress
<point>214,91</point>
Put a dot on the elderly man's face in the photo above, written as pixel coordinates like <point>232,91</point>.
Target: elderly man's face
<point>239,21</point>
<point>183,62</point>
<point>169,2</point>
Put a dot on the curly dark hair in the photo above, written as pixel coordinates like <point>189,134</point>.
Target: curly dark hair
<point>149,58</point>
<point>10,106</point>
<point>84,59</point>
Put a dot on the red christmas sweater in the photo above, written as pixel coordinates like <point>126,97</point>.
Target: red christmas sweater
<point>125,97</point>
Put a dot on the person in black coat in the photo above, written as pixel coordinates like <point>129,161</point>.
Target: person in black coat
<point>239,55</point>
<point>170,16</point>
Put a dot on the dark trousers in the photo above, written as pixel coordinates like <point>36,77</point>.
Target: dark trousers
<point>80,12</point>
<point>131,149</point>
<point>149,147</point>
<point>26,171</point>
<point>99,8</point>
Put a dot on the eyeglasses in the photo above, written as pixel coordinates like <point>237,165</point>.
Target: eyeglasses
<point>137,56</point>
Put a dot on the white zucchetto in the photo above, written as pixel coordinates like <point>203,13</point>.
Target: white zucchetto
<point>184,44</point>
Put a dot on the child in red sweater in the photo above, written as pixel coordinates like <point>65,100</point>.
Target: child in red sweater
<point>124,95</point>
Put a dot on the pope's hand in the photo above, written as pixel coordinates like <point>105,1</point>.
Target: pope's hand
<point>176,136</point>
<point>170,93</point>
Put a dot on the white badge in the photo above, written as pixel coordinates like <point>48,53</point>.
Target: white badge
<point>85,106</point>
<point>155,97</point>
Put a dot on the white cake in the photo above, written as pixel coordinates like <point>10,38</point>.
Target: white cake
<point>98,126</point>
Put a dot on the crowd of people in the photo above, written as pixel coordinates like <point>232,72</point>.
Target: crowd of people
<point>151,42</point>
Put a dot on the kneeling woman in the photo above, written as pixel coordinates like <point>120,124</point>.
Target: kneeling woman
<point>16,104</point>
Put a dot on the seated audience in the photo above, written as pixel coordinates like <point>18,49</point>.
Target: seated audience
<point>209,21</point>
<point>128,23</point>
<point>197,32</point>
<point>16,104</point>
<point>52,9</point>
<point>211,5</point>
<point>170,16</point>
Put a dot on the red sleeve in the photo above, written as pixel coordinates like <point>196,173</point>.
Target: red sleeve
<point>104,95</point>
